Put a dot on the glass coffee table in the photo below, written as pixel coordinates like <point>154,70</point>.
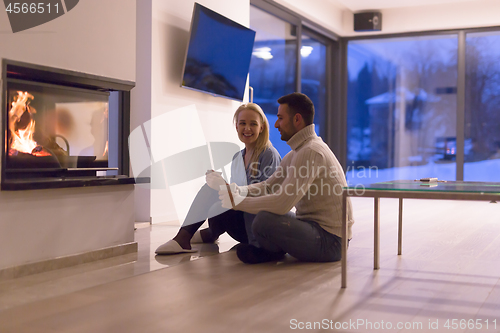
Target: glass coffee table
<point>409,189</point>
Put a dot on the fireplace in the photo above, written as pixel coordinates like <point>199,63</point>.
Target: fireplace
<point>63,128</point>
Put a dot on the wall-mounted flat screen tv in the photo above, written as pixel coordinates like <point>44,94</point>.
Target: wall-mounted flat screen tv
<point>218,55</point>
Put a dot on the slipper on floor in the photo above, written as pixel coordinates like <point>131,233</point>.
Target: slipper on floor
<point>172,247</point>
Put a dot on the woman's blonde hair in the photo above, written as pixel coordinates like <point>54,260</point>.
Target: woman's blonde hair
<point>262,142</point>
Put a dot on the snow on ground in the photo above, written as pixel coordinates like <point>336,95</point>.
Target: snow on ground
<point>485,171</point>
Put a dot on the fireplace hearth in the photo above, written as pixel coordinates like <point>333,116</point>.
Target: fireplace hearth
<point>63,128</point>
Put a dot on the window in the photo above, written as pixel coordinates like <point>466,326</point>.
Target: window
<point>278,67</point>
<point>273,66</point>
<point>314,73</point>
<point>482,107</point>
<point>401,108</point>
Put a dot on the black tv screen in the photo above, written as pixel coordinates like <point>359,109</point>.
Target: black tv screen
<point>218,55</point>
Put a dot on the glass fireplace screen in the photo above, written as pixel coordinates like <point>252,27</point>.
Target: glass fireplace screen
<point>54,127</point>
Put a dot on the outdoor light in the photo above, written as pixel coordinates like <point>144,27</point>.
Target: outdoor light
<point>263,53</point>
<point>305,51</point>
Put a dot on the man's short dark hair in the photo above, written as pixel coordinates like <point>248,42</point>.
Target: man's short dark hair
<point>299,103</point>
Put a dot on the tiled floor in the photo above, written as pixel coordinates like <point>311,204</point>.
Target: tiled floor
<point>448,275</point>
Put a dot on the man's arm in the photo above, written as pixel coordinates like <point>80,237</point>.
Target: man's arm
<point>263,188</point>
<point>279,195</point>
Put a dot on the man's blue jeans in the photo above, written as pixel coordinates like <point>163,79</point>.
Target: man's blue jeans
<point>304,240</point>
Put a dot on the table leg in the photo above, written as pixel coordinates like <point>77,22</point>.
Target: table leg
<point>344,240</point>
<point>376,234</point>
<point>400,227</point>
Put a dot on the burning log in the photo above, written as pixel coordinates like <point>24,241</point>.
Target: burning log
<point>37,151</point>
<point>22,127</point>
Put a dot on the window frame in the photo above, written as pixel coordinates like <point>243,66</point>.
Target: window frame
<point>461,82</point>
<point>331,41</point>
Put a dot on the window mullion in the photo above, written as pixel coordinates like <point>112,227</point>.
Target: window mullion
<point>298,72</point>
<point>460,107</point>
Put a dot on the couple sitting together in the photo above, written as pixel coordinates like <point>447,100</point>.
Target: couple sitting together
<point>256,211</point>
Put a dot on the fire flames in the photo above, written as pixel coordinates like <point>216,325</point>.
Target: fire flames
<point>22,127</point>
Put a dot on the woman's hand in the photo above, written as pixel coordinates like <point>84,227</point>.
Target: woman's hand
<point>231,195</point>
<point>214,180</point>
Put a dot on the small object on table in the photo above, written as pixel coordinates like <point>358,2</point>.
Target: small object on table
<point>428,180</point>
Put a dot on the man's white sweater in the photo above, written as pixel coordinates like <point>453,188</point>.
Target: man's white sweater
<point>310,178</point>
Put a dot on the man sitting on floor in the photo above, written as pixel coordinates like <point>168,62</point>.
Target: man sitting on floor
<point>309,178</point>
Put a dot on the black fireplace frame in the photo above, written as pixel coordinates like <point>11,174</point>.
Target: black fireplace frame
<point>12,69</point>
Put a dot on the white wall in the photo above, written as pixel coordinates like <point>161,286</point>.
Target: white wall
<point>435,17</point>
<point>192,118</point>
<point>339,19</point>
<point>39,225</point>
<point>141,95</point>
<point>96,37</point>
<point>324,12</point>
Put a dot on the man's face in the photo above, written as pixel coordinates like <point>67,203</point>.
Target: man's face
<point>285,123</point>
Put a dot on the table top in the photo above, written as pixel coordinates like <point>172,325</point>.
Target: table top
<point>440,186</point>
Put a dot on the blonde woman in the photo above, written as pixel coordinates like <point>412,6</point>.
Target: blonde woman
<point>255,163</point>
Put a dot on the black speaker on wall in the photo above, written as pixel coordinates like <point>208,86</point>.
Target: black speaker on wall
<point>369,21</point>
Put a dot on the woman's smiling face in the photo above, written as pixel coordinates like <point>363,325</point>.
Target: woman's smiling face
<point>248,126</point>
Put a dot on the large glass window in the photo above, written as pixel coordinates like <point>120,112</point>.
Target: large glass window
<point>401,117</point>
<point>482,107</point>
<point>273,69</point>
<point>273,66</point>
<point>313,76</point>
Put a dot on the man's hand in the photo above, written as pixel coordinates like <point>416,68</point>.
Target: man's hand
<point>214,180</point>
<point>231,195</point>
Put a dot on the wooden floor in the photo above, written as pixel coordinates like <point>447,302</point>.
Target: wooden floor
<point>450,269</point>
